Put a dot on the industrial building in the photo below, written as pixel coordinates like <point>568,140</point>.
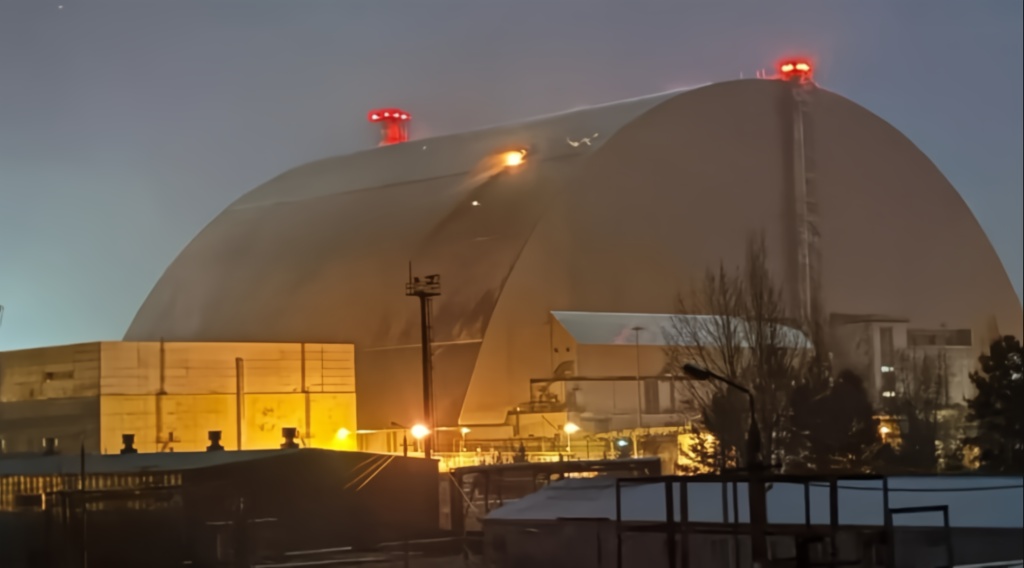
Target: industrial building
<point>216,508</point>
<point>602,211</point>
<point>170,395</point>
<point>901,522</point>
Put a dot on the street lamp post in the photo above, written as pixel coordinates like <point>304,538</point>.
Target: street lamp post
<point>570,428</point>
<point>421,433</point>
<point>754,432</point>
<point>464,430</point>
<point>405,439</point>
<point>425,289</point>
<point>758,504</point>
<point>639,394</point>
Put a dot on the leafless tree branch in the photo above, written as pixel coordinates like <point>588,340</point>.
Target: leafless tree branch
<point>736,324</point>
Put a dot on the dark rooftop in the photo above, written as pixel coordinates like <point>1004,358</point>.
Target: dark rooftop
<point>40,464</point>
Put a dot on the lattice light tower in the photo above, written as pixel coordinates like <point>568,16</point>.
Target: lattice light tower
<point>800,74</point>
<point>394,125</point>
<point>425,289</point>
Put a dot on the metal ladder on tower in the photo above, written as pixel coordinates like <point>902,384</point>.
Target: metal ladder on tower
<point>805,197</point>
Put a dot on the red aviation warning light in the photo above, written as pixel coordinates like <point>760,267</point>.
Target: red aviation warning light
<point>394,125</point>
<point>796,70</point>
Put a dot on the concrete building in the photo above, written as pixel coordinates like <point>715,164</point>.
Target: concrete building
<point>610,369</point>
<point>886,349</point>
<point>609,209</point>
<point>170,395</point>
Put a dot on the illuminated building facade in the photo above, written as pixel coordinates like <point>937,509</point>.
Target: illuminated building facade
<point>170,395</point>
<point>609,209</point>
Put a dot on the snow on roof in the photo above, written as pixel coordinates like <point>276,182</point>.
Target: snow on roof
<point>605,328</point>
<point>989,502</point>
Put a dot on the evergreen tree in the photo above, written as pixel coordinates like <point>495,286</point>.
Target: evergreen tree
<point>833,425</point>
<point>997,410</point>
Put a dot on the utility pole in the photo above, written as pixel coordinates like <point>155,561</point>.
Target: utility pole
<point>405,439</point>
<point>425,289</point>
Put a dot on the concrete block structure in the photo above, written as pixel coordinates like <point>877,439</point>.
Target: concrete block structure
<point>170,395</point>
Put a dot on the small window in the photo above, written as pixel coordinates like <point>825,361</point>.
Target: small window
<point>58,375</point>
<point>652,397</point>
<point>887,347</point>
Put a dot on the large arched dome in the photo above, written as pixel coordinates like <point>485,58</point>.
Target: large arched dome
<point>617,209</point>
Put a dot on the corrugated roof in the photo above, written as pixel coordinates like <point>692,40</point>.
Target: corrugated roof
<point>991,502</point>
<point>129,463</point>
<point>605,328</point>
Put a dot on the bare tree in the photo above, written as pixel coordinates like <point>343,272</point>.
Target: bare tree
<point>921,380</point>
<point>736,325</point>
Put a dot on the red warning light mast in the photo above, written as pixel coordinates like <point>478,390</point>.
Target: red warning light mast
<point>798,70</point>
<point>394,125</point>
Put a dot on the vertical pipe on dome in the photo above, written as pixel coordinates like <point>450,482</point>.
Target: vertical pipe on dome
<point>800,203</point>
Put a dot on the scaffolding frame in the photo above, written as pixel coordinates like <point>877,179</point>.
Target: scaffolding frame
<point>677,532</point>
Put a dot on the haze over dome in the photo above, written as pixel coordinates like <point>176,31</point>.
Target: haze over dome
<point>615,208</point>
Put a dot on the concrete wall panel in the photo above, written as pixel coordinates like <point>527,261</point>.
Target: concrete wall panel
<point>51,372</point>
<point>54,392</point>
<point>329,414</point>
<point>72,421</point>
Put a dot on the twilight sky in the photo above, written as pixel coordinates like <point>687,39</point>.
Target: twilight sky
<point>126,126</point>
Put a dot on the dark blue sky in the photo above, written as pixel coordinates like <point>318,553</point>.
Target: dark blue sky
<point>125,126</point>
